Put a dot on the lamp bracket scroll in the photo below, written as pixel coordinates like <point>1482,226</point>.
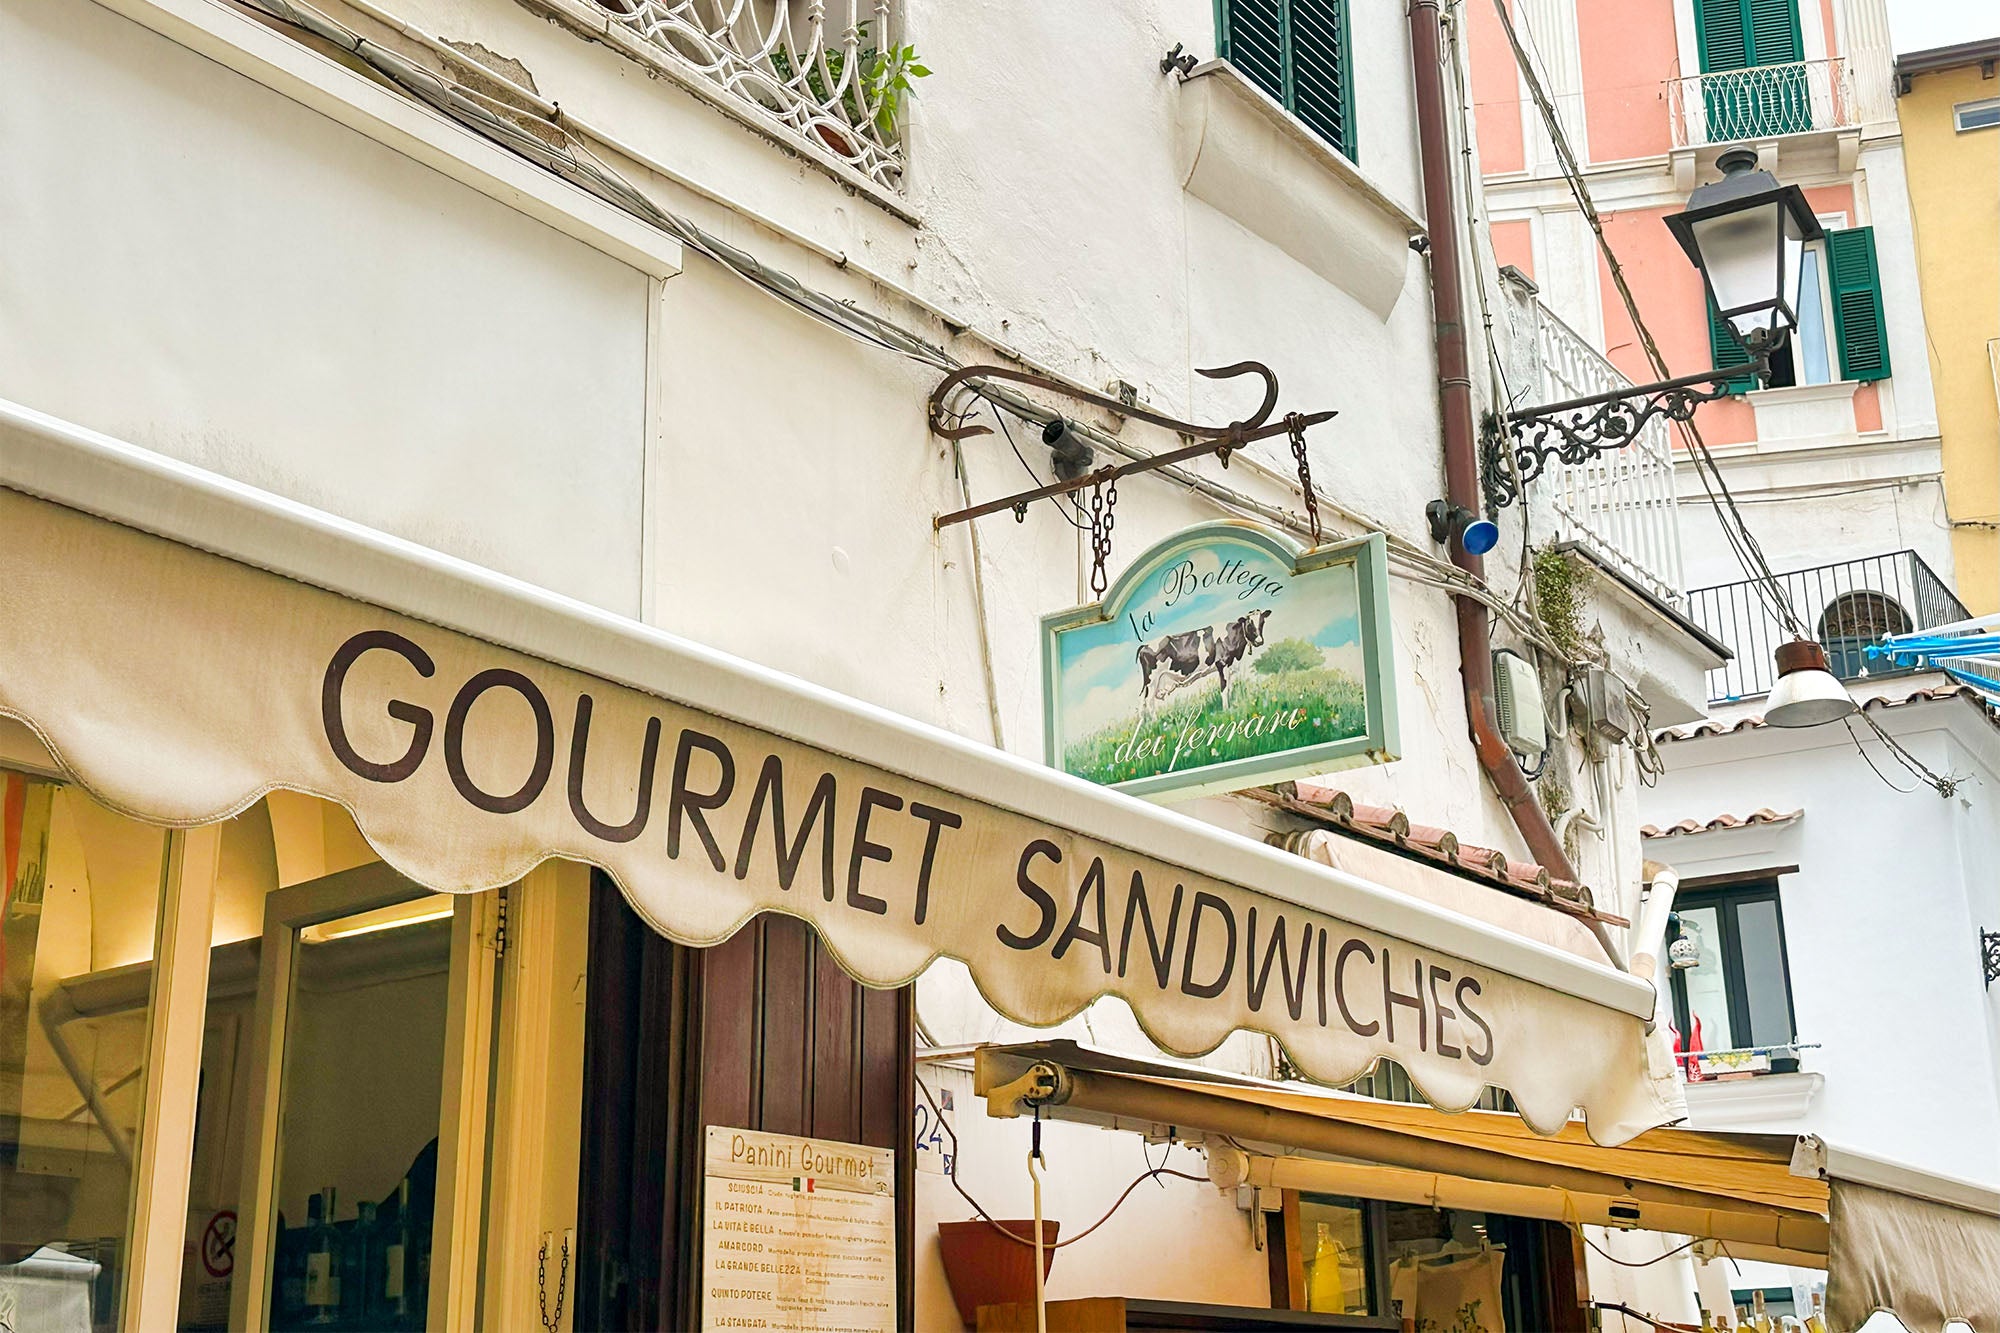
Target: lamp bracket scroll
<point>1989,954</point>
<point>1577,430</point>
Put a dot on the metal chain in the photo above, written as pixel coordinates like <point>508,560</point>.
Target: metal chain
<point>1298,433</point>
<point>542,1284</point>
<point>1103,499</point>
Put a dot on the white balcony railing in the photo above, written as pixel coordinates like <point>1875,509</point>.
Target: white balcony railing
<point>1761,102</point>
<point>824,69</point>
<point>1620,504</point>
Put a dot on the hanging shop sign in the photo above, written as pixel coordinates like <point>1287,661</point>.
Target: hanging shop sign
<point>798,1234</point>
<point>179,686</point>
<point>1226,656</point>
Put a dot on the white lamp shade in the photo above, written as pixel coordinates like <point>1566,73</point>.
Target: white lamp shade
<point>1742,254</point>
<point>1806,695</point>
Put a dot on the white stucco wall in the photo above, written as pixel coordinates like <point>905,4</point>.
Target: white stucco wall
<point>1881,920</point>
<point>199,265</point>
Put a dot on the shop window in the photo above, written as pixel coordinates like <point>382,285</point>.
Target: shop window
<point>1738,995</point>
<point>1297,51</point>
<point>1338,1250</point>
<point>1981,115</point>
<point>1389,1265</point>
<point>80,894</point>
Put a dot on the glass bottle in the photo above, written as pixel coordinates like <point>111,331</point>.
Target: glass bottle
<point>1325,1292</point>
<point>358,1284</point>
<point>322,1259</point>
<point>395,1260</point>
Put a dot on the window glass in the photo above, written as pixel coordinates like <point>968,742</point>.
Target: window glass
<point>1333,1237</point>
<point>1706,985</point>
<point>1813,365</point>
<point>79,920</point>
<point>1983,115</point>
<point>1764,985</point>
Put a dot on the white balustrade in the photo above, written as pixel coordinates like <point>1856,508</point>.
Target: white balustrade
<point>1761,102</point>
<point>825,69</point>
<point>1621,502</point>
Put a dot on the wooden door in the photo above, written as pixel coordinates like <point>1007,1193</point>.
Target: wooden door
<point>764,1031</point>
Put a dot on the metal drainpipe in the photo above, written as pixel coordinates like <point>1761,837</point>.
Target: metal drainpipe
<point>1461,458</point>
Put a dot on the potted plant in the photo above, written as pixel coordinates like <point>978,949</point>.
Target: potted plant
<point>884,80</point>
<point>993,1263</point>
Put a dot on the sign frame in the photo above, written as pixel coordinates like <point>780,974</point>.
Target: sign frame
<point>1379,740</point>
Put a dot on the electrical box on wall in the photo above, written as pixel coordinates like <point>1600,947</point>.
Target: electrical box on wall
<point>1603,707</point>
<point>1517,704</point>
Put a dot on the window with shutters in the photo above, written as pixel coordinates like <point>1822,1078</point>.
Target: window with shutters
<point>1755,83</point>
<point>1295,50</point>
<point>1738,994</point>
<point>1840,335</point>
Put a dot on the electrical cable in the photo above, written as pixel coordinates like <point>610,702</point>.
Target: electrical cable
<point>1743,543</point>
<point>593,175</point>
<point>1631,1263</point>
<point>987,1217</point>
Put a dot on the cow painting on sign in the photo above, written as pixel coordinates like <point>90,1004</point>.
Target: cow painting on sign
<point>1177,660</point>
<point>1293,641</point>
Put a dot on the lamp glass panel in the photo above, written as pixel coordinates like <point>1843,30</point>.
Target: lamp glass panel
<point>1764,983</point>
<point>1741,253</point>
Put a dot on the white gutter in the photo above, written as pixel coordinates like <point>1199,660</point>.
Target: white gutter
<point>65,463</point>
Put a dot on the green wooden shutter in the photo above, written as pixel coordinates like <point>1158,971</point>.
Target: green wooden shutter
<point>1297,51</point>
<point>1736,34</point>
<point>1722,35</point>
<point>1253,40</point>
<point>1774,31</point>
<point>1855,284</point>
<point>1726,353</point>
<point>1319,70</point>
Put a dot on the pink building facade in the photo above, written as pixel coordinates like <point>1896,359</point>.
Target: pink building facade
<point>1836,455</point>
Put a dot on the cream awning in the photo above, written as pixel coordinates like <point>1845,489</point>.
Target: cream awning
<point>1890,1237</point>
<point>183,644</point>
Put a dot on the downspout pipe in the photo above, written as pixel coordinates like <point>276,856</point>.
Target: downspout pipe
<point>1461,454</point>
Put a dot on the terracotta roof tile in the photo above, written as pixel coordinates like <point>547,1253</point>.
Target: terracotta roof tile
<point>1764,816</point>
<point>1389,827</point>
<point>1696,730</point>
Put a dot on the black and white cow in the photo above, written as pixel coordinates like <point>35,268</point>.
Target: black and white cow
<point>1238,639</point>
<point>1172,661</point>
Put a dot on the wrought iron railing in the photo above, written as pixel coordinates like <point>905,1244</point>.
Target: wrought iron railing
<point>1761,102</point>
<point>824,69</point>
<point>1620,504</point>
<point>1847,606</point>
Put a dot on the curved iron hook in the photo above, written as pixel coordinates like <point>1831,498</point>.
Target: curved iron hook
<point>944,429</point>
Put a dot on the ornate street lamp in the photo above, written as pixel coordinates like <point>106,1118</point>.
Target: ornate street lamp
<point>1744,234</point>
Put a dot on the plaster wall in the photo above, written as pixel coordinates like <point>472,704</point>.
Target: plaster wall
<point>1881,920</point>
<point>487,390</point>
<point>1954,185</point>
<point>201,266</point>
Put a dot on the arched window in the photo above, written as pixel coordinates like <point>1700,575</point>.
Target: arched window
<point>1868,616</point>
<point>1854,620</point>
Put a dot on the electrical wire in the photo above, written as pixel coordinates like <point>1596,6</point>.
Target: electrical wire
<point>986,1217</point>
<point>1742,542</point>
<point>1631,1263</point>
<point>574,162</point>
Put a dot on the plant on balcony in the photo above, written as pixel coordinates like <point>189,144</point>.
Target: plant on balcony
<point>884,80</point>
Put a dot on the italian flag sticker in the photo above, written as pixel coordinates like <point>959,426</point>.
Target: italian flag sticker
<point>802,1185</point>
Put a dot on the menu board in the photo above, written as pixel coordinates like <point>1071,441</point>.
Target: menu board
<point>798,1234</point>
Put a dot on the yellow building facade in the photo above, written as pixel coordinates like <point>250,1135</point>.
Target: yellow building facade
<point>1950,113</point>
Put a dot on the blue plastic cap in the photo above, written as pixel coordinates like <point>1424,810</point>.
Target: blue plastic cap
<point>1479,536</point>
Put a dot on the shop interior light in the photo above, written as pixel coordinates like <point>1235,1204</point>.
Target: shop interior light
<point>415,912</point>
<point>1807,694</point>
